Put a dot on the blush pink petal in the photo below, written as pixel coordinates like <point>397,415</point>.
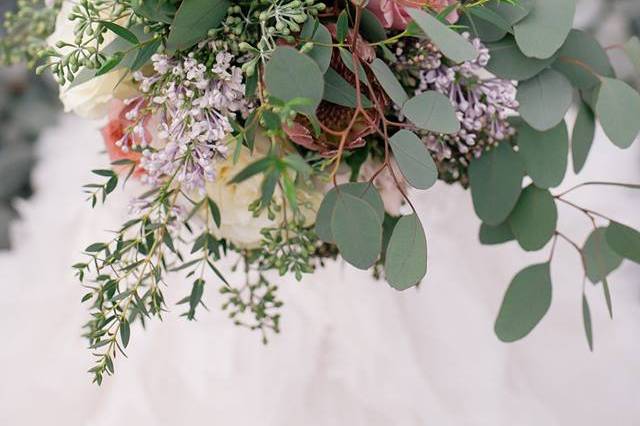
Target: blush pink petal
<point>392,13</point>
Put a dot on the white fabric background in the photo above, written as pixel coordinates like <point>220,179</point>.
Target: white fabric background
<point>352,352</point>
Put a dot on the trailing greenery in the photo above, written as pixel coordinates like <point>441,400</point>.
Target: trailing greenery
<point>290,102</point>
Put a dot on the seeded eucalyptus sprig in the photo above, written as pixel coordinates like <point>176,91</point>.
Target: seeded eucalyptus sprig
<point>26,31</point>
<point>254,304</point>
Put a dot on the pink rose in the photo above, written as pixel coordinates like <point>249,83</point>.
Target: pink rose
<point>392,13</point>
<point>118,140</point>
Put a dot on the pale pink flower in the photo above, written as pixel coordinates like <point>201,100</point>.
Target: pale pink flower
<point>392,13</point>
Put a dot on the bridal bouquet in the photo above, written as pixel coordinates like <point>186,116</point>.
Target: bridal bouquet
<point>285,133</point>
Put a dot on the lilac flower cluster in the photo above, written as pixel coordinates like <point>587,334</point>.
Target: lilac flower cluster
<point>483,103</point>
<point>194,105</point>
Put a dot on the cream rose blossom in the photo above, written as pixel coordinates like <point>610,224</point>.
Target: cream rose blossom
<point>238,225</point>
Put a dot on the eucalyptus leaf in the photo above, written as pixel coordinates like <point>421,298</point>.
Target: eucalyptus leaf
<point>624,240</point>
<point>508,62</point>
<point>632,49</point>
<point>599,258</point>
<point>406,256</point>
<point>582,60</point>
<point>586,320</point>
<point>496,183</point>
<point>582,138</point>
<point>321,52</point>
<point>481,28</point>
<point>342,26</point>
<point>488,15</point>
<point>543,31</point>
<point>618,109</point>
<point>512,12</point>
<point>290,74</point>
<point>525,303</point>
<point>414,160</point>
<point>534,219</point>
<point>491,235</point>
<point>432,111</point>
<point>155,10</point>
<point>371,28</point>
<point>362,190</point>
<point>357,230</point>
<point>339,91</point>
<point>193,20</point>
<point>451,44</point>
<point>545,154</point>
<point>389,82</point>
<point>545,99</point>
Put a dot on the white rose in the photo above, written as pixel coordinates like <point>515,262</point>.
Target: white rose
<point>90,99</point>
<point>238,225</point>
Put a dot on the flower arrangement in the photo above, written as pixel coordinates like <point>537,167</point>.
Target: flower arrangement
<point>290,132</point>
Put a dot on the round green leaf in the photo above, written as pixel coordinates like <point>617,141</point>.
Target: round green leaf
<point>582,137</point>
<point>618,109</point>
<point>362,190</point>
<point>525,303</point>
<point>481,28</point>
<point>290,74</point>
<point>543,31</point>
<point>321,52</point>
<point>512,13</point>
<point>389,82</point>
<point>496,183</point>
<point>339,91</point>
<point>545,99</point>
<point>414,160</point>
<point>534,219</point>
<point>357,229</point>
<point>193,21</point>
<point>452,44</point>
<point>406,258</point>
<point>432,111</point>
<point>624,240</point>
<point>508,62</point>
<point>599,258</point>
<point>371,28</point>
<point>545,154</point>
<point>490,235</point>
<point>581,59</point>
<point>632,49</point>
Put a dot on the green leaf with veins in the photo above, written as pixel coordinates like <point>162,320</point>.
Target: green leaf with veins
<point>414,159</point>
<point>600,260</point>
<point>534,219</point>
<point>432,111</point>
<point>193,20</point>
<point>525,303</point>
<point>451,44</point>
<point>618,109</point>
<point>624,240</point>
<point>290,74</point>
<point>496,183</point>
<point>365,191</point>
<point>406,256</point>
<point>357,230</point>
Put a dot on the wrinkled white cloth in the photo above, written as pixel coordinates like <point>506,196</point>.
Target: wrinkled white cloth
<point>352,351</point>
